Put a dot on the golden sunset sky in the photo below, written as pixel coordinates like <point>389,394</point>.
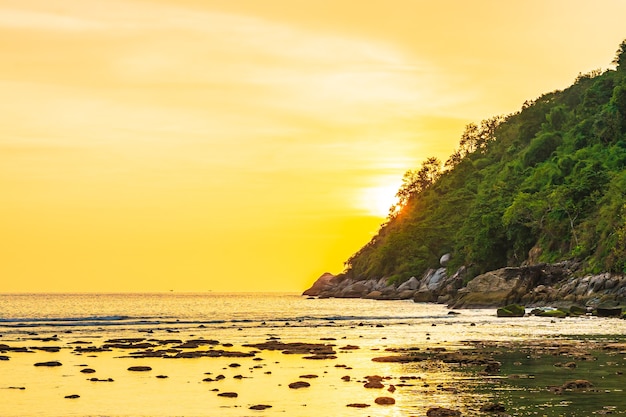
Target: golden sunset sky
<point>247,145</point>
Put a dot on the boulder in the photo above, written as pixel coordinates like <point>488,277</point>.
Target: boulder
<point>355,290</point>
<point>374,295</point>
<point>322,283</point>
<point>609,311</point>
<point>443,261</point>
<point>512,310</point>
<point>411,284</point>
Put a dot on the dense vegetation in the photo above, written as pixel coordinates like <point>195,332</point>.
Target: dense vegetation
<point>550,178</point>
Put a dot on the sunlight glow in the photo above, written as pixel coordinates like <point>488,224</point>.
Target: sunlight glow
<point>379,199</point>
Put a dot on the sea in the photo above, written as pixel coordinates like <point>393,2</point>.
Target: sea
<point>358,329</point>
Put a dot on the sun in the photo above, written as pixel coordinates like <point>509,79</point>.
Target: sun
<point>378,200</point>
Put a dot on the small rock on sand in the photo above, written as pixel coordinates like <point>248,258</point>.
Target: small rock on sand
<point>228,394</point>
<point>51,363</point>
<point>384,401</point>
<point>73,396</point>
<point>260,407</point>
<point>299,384</point>
<point>139,368</point>
<point>358,405</point>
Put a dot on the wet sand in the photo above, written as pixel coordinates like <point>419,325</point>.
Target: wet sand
<point>157,376</point>
<point>165,373</point>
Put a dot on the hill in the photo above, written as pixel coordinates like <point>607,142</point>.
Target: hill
<point>544,185</point>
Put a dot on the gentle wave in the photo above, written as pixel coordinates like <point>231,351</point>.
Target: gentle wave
<point>127,321</point>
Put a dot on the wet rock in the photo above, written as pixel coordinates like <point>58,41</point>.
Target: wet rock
<point>512,310</point>
<point>442,412</point>
<point>609,311</point>
<point>50,349</point>
<point>358,405</point>
<point>51,363</point>
<point>385,401</point>
<point>299,384</point>
<point>140,368</point>
<point>4,358</point>
<point>578,384</point>
<point>260,407</point>
<point>320,357</point>
<point>228,394</point>
<point>492,368</point>
<point>374,381</point>
<point>87,371</point>
<point>162,376</point>
<point>309,376</point>
<point>73,396</point>
<point>492,408</point>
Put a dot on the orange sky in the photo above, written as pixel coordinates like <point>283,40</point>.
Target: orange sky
<point>193,145</point>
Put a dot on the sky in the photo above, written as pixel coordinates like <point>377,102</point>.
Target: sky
<point>247,145</point>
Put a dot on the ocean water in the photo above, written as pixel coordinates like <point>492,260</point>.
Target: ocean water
<point>358,330</point>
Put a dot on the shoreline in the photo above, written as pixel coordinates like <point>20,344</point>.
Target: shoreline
<point>193,374</point>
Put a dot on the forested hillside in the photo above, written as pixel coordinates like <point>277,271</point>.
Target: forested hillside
<point>549,181</point>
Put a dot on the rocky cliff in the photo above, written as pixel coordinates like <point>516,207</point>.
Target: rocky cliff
<point>533,285</point>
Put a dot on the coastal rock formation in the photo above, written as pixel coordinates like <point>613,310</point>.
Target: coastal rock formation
<point>533,285</point>
<point>322,283</point>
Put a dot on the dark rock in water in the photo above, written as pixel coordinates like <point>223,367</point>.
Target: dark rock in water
<point>552,313</point>
<point>577,310</point>
<point>162,376</point>
<point>51,349</point>
<point>609,311</point>
<point>579,384</point>
<point>228,394</point>
<point>299,384</point>
<point>260,407</point>
<point>317,357</point>
<point>88,371</point>
<point>73,396</point>
<point>139,368</point>
<point>492,368</point>
<point>512,310</point>
<point>358,405</point>
<point>385,401</point>
<point>492,408</point>
<point>309,376</point>
<point>51,363</point>
<point>4,358</point>
<point>442,412</point>
<point>374,384</point>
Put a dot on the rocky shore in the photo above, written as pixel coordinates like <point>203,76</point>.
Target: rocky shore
<point>537,285</point>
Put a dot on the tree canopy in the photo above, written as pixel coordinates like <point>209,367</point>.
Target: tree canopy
<point>550,177</point>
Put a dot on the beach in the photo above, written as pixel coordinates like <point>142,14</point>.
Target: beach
<point>298,357</point>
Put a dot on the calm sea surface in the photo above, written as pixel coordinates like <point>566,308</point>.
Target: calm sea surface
<point>235,320</point>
